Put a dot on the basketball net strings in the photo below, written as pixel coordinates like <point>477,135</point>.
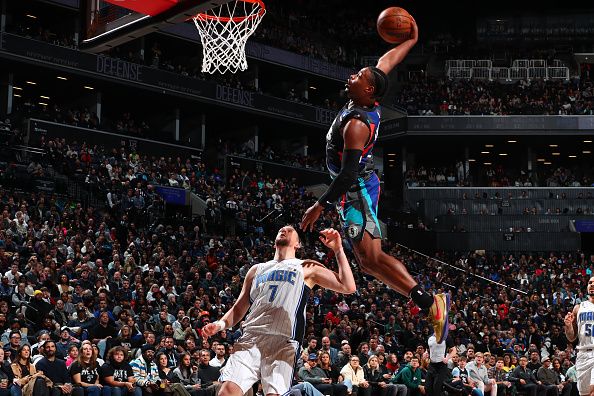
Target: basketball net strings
<point>461,269</point>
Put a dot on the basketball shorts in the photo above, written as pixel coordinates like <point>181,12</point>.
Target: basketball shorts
<point>584,366</point>
<point>266,358</point>
<point>358,210</point>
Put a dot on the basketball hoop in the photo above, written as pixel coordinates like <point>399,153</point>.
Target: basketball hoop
<point>224,30</point>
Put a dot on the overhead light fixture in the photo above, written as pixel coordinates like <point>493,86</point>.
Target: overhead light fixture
<point>471,160</point>
<point>31,16</point>
<point>17,88</point>
<point>16,95</point>
<point>547,163</point>
<point>572,156</point>
<point>392,160</point>
<point>541,160</point>
<point>43,104</point>
<point>553,145</point>
<point>485,152</point>
<point>512,141</point>
<point>88,87</point>
<point>503,154</point>
<point>556,153</point>
<point>487,163</point>
<point>391,154</point>
<point>587,141</point>
<point>44,97</point>
<point>586,152</point>
<point>31,82</point>
<point>61,78</point>
<point>489,145</point>
<point>312,87</point>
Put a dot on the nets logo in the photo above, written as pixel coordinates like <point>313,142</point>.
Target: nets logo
<point>353,231</point>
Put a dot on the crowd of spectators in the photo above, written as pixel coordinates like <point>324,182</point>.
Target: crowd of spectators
<point>95,297</point>
<point>476,175</point>
<point>93,280</point>
<point>312,161</point>
<point>432,96</point>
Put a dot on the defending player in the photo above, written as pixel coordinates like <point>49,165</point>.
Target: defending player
<point>579,324</point>
<point>277,292</point>
<point>349,157</point>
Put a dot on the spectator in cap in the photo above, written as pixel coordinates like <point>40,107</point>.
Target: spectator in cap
<point>64,341</point>
<point>37,309</point>
<point>318,377</point>
<point>145,370</point>
<point>549,377</point>
<point>344,356</point>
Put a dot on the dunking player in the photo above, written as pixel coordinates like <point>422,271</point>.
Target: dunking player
<point>349,147</point>
<point>579,324</point>
<point>274,327</point>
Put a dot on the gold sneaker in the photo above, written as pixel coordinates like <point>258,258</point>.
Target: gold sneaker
<point>438,314</point>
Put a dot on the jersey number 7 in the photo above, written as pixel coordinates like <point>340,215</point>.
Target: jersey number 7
<point>273,289</point>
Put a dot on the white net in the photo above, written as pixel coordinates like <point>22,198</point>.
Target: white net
<point>224,31</point>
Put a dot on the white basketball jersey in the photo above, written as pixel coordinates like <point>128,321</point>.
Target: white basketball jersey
<point>278,296</point>
<point>585,325</point>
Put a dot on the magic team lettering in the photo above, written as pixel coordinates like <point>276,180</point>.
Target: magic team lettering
<point>586,316</point>
<point>277,276</point>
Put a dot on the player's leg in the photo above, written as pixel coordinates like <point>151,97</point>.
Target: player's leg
<point>361,225</point>
<point>394,274</point>
<point>374,261</point>
<point>241,370</point>
<point>230,389</point>
<point>277,366</point>
<point>590,370</point>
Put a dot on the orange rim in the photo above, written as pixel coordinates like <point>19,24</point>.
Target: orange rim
<point>261,11</point>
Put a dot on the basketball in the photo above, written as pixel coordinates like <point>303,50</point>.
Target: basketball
<point>394,25</point>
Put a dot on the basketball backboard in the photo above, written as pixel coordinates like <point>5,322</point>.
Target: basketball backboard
<point>108,23</point>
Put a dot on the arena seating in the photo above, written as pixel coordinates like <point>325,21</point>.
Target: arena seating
<point>60,236</point>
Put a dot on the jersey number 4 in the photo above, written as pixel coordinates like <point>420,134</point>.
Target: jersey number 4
<point>588,330</point>
<point>273,289</point>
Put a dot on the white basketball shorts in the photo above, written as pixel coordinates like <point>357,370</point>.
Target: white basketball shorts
<point>267,358</point>
<point>584,366</point>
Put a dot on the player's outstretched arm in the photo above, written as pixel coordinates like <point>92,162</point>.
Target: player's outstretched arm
<point>316,273</point>
<point>397,54</point>
<point>237,311</point>
<point>571,324</point>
